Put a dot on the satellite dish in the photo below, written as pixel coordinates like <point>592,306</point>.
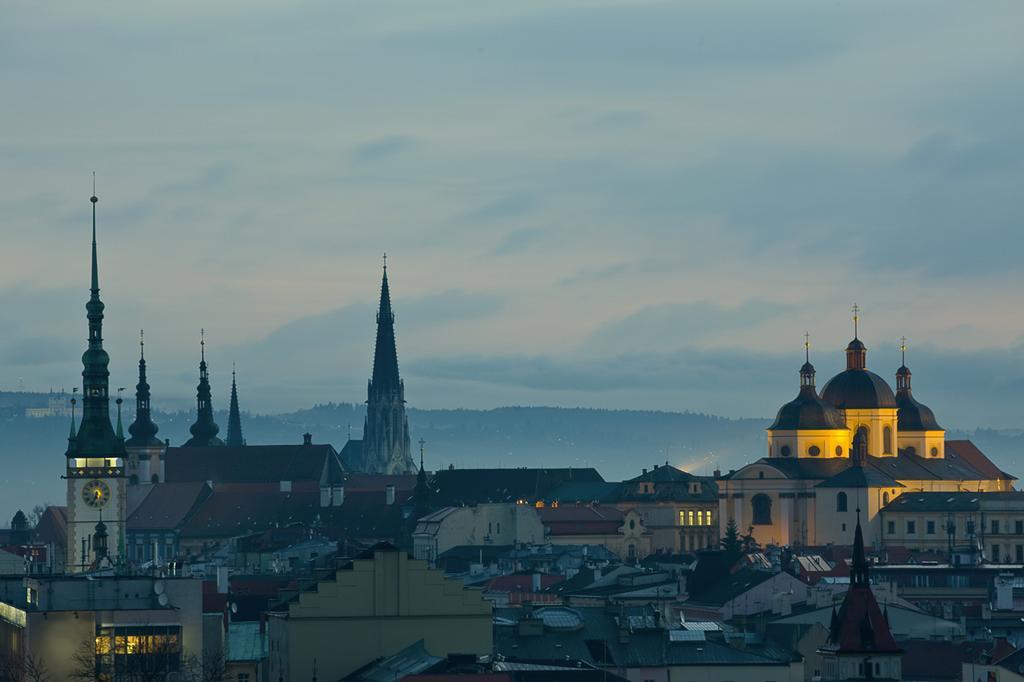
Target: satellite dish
<point>162,600</point>
<point>158,587</point>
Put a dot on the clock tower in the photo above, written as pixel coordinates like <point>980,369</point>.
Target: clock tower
<point>96,455</point>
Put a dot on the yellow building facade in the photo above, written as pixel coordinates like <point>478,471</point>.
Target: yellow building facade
<point>374,608</point>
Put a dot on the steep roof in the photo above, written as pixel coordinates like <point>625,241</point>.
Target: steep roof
<point>168,505</point>
<point>860,477</point>
<point>948,501</point>
<point>248,464</point>
<point>53,526</point>
<point>976,459</point>
<point>731,586</point>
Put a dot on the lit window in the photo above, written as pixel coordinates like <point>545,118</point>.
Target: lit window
<point>689,518</point>
<point>708,516</point>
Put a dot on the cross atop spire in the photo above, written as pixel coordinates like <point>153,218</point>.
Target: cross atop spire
<point>142,344</point>
<point>143,431</point>
<point>903,350</point>
<point>856,319</point>
<point>202,345</point>
<point>422,443</point>
<point>807,346</point>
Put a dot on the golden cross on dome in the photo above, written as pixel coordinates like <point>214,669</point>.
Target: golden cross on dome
<point>903,349</point>
<point>807,346</point>
<point>856,318</point>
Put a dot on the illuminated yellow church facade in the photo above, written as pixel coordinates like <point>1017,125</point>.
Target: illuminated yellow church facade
<point>856,445</point>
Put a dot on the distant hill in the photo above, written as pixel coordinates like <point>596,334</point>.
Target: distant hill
<point>619,443</point>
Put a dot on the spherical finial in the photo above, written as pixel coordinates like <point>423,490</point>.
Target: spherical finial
<point>93,199</point>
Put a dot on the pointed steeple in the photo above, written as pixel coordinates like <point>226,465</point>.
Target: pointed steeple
<point>859,562</point>
<point>204,431</point>
<point>856,351</point>
<point>421,493</point>
<point>96,435</point>
<point>234,438</point>
<point>386,446</point>
<point>143,430</point>
<point>119,432</point>
<point>385,355</point>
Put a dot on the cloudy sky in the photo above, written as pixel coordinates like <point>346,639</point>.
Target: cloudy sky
<point>584,202</point>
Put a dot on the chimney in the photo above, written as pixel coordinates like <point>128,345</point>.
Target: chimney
<point>389,493</point>
<point>717,473</point>
<point>338,495</point>
<point>307,438</point>
<point>222,580</point>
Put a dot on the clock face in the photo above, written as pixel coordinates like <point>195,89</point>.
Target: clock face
<point>96,494</point>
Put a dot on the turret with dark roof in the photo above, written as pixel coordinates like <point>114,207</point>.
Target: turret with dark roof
<point>143,431</point>
<point>807,411</point>
<point>204,431</point>
<point>95,437</point>
<point>913,415</point>
<point>860,628</point>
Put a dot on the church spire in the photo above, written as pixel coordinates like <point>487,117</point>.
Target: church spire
<point>807,371</point>
<point>859,563</point>
<point>856,351</point>
<point>903,373</point>
<point>234,438</point>
<point>385,354</point>
<point>96,434</point>
<point>142,430</point>
<point>204,431</point>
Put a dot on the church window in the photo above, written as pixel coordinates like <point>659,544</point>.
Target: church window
<point>885,499</point>
<point>761,505</point>
<point>814,451</point>
<point>887,440</point>
<point>785,451</point>
<point>929,527</point>
<point>841,502</point>
<point>911,527</point>
<point>839,451</point>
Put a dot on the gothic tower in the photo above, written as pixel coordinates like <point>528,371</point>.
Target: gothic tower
<point>204,431</point>
<point>145,450</point>
<point>96,480</point>
<point>386,446</point>
<point>234,438</point>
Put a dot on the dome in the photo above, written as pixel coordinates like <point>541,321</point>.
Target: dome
<point>914,416</point>
<point>858,389</point>
<point>807,412</point>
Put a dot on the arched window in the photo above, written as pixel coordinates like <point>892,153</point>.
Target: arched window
<point>885,499</point>
<point>761,505</point>
<point>841,502</point>
<point>887,439</point>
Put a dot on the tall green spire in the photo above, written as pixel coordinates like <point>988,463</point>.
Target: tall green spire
<point>234,438</point>
<point>96,436</point>
<point>204,431</point>
<point>143,429</point>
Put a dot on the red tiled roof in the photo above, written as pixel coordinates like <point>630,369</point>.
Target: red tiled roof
<point>522,583</point>
<point>582,520</point>
<point>53,526</point>
<point>976,459</point>
<point>168,505</point>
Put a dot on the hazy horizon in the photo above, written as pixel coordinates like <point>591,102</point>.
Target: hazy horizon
<point>585,203</point>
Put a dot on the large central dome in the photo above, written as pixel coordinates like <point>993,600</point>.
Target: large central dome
<point>857,388</point>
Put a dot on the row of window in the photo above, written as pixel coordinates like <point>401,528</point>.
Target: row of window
<point>995,526</point>
<point>689,517</point>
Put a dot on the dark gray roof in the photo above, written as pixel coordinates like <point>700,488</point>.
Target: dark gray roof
<point>860,477</point>
<point>914,416</point>
<point>858,389</point>
<point>808,412</point>
<point>953,502</point>
<point>458,487</point>
<point>598,643</point>
<point>247,464</point>
<point>731,586</point>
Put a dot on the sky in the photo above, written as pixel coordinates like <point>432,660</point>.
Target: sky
<point>584,202</point>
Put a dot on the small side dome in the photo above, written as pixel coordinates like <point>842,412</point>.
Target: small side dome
<point>913,415</point>
<point>807,411</point>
